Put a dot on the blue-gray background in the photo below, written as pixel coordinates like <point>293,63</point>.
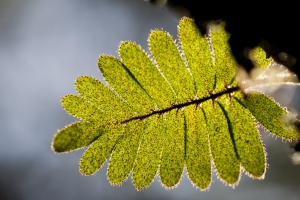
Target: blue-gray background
<point>44,46</point>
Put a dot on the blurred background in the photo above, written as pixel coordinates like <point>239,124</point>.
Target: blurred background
<point>44,46</point>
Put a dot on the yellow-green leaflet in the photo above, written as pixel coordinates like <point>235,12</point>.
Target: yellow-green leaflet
<point>125,84</point>
<point>149,153</point>
<point>123,157</point>
<point>75,136</point>
<point>78,107</point>
<point>221,143</point>
<point>269,114</point>
<point>198,58</point>
<point>245,137</point>
<point>170,62</point>
<point>175,109</point>
<point>258,55</point>
<point>198,161</point>
<point>98,152</point>
<point>225,66</point>
<point>140,65</point>
<point>172,161</point>
<point>103,98</point>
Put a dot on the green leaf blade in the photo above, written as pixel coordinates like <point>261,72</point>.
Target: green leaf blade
<point>75,136</point>
<point>137,61</point>
<point>80,108</point>
<point>125,84</point>
<point>94,157</point>
<point>198,56</point>
<point>269,114</point>
<point>149,154</point>
<point>172,161</point>
<point>169,60</point>
<point>222,148</point>
<point>225,65</point>
<point>123,157</point>
<point>102,97</point>
<point>246,137</point>
<point>198,161</point>
<point>179,110</point>
<point>259,57</point>
<point>260,61</point>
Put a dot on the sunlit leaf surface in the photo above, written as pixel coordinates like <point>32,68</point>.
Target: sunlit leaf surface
<point>180,107</point>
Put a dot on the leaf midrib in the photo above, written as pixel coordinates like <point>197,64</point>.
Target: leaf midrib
<point>178,106</point>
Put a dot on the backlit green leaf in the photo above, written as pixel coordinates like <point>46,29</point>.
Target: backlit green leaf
<point>145,71</point>
<point>197,53</point>
<point>179,107</point>
<point>259,57</point>
<point>260,60</point>
<point>75,136</point>
<point>149,153</point>
<point>225,65</point>
<point>221,143</point>
<point>123,157</point>
<point>172,161</point>
<point>102,97</point>
<point>269,114</point>
<point>245,137</point>
<point>198,161</point>
<point>94,157</point>
<point>171,64</point>
<point>78,107</point>
<point>125,84</point>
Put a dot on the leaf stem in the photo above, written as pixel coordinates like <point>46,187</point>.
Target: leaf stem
<point>178,106</point>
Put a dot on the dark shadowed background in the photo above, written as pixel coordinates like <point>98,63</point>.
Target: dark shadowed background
<point>44,46</point>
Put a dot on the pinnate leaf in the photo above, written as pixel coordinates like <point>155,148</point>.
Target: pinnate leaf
<point>181,106</point>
